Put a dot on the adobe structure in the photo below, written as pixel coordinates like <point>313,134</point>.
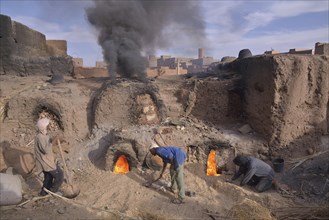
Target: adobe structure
<point>267,106</point>
<point>284,97</point>
<point>27,52</point>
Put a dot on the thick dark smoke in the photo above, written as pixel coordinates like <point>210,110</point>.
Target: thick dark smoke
<point>129,30</point>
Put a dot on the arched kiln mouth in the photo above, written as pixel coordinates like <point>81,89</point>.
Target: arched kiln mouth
<point>50,112</point>
<point>121,163</point>
<point>212,168</point>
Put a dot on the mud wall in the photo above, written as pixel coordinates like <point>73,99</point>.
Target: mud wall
<point>215,102</point>
<point>123,104</point>
<point>56,47</point>
<point>24,51</point>
<point>20,40</point>
<point>321,48</point>
<point>258,73</point>
<point>69,117</point>
<point>119,106</point>
<point>153,72</point>
<point>90,72</point>
<point>286,96</point>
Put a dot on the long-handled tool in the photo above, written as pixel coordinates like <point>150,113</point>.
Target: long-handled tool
<point>149,184</point>
<point>71,190</point>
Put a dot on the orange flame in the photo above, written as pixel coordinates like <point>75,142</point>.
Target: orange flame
<point>121,166</point>
<point>211,164</point>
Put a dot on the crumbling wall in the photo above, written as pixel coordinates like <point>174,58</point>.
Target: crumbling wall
<point>286,96</point>
<point>20,40</point>
<point>258,73</point>
<point>77,62</point>
<point>116,106</point>
<point>56,47</point>
<point>321,49</point>
<point>90,72</point>
<point>25,66</point>
<point>215,102</point>
<point>123,104</point>
<point>70,120</point>
<point>24,51</point>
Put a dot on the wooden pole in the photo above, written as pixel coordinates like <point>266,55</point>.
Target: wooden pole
<point>65,167</point>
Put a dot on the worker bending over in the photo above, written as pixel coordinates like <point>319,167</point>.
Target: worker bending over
<point>256,172</point>
<point>176,158</point>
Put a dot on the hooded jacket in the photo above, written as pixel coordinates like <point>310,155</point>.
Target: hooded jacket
<point>250,166</point>
<point>44,153</point>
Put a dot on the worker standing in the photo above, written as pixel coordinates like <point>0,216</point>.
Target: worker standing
<point>176,158</point>
<point>45,160</point>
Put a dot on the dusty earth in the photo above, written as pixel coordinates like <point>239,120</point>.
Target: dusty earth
<point>86,138</point>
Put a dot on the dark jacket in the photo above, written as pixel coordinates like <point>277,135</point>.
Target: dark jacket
<point>250,167</point>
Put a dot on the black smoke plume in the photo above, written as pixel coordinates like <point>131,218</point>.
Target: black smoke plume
<point>129,30</point>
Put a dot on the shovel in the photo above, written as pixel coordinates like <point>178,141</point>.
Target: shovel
<point>149,184</point>
<point>71,191</point>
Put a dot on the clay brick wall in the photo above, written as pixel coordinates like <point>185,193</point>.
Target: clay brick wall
<point>153,61</point>
<point>101,64</point>
<point>321,49</point>
<point>90,72</point>
<point>25,51</point>
<point>215,103</point>
<point>77,62</point>
<point>272,52</point>
<point>56,47</point>
<point>286,96</point>
<point>152,72</point>
<point>27,38</point>
<point>20,40</point>
<point>301,51</point>
<point>6,33</point>
<point>259,92</point>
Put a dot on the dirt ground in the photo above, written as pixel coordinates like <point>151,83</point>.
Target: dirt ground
<point>105,195</point>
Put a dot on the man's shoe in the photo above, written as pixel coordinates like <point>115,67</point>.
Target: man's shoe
<point>42,193</point>
<point>174,191</point>
<point>177,201</point>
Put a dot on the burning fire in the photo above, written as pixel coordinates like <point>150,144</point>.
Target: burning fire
<point>121,166</point>
<point>211,164</point>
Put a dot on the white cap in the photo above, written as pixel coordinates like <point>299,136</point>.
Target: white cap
<point>42,123</point>
<point>154,145</point>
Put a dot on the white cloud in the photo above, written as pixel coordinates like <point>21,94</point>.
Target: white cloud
<point>75,34</point>
<point>37,24</point>
<point>294,8</point>
<point>219,13</point>
<point>227,23</point>
<point>282,41</point>
<point>240,17</point>
<point>282,9</point>
<point>230,21</point>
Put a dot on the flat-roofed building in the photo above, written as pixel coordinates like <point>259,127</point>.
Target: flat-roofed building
<point>101,64</point>
<point>77,62</point>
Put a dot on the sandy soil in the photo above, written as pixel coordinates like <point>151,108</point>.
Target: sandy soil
<point>105,195</point>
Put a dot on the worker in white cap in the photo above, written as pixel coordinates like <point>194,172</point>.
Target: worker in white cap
<point>176,158</point>
<point>45,160</point>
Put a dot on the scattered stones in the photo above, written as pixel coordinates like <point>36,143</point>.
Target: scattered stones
<point>61,210</point>
<point>245,129</point>
<point>310,151</point>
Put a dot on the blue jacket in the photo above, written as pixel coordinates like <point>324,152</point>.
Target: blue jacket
<point>171,153</point>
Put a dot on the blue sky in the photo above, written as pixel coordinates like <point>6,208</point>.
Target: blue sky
<point>230,26</point>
